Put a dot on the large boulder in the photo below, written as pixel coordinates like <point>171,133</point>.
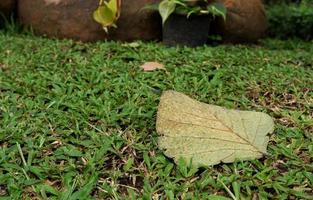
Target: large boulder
<point>7,7</point>
<point>245,21</point>
<point>73,19</point>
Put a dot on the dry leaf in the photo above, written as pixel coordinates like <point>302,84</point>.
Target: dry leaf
<point>55,2</point>
<point>151,66</point>
<point>210,134</point>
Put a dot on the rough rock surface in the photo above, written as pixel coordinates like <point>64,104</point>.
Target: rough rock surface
<point>73,19</point>
<point>245,22</point>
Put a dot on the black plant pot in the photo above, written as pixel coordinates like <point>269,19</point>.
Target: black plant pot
<point>193,31</point>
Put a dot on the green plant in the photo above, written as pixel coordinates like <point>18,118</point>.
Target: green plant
<point>107,13</point>
<point>279,2</point>
<point>189,7</point>
<point>292,20</point>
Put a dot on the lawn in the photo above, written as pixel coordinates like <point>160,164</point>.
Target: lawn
<point>77,121</point>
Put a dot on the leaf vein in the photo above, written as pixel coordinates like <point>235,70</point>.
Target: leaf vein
<point>208,138</point>
<point>209,127</point>
<point>208,151</point>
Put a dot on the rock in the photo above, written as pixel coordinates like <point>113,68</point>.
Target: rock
<point>245,21</point>
<point>7,7</point>
<point>73,19</point>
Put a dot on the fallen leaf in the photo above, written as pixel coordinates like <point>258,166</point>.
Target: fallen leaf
<point>151,66</point>
<point>209,134</point>
<point>55,2</point>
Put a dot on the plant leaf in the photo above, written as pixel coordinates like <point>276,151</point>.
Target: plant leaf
<point>166,8</point>
<point>217,9</point>
<point>209,134</point>
<point>107,13</point>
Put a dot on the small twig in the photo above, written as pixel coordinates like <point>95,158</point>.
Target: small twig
<point>25,164</point>
<point>21,154</point>
<point>130,187</point>
<point>114,194</point>
<point>25,173</point>
<point>228,190</point>
<point>94,127</point>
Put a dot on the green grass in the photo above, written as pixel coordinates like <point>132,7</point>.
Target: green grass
<point>77,121</point>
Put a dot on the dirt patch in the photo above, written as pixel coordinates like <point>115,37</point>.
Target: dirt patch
<point>3,190</point>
